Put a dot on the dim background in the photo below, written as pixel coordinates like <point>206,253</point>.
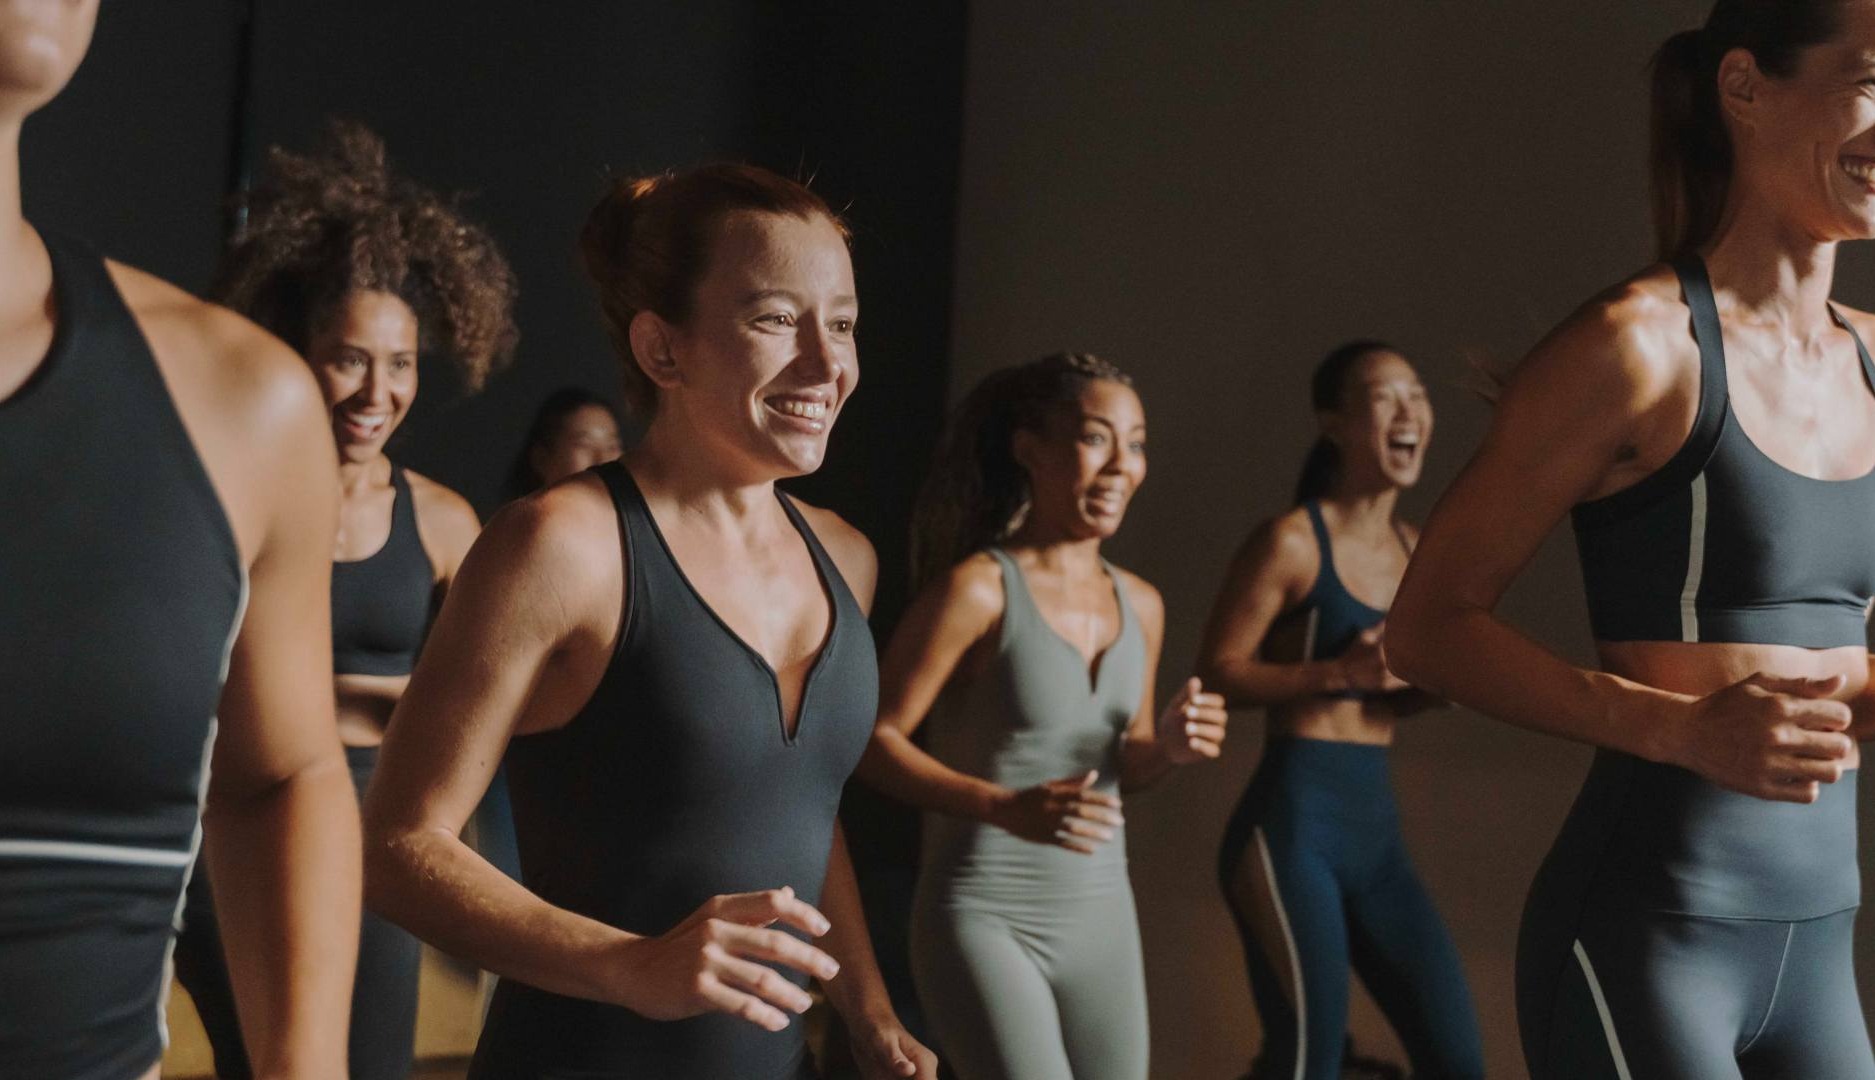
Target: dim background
<point>1209,194</point>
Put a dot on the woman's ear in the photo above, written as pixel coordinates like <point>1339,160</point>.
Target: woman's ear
<point>1738,85</point>
<point>1326,426</point>
<point>651,339</point>
<point>1022,447</point>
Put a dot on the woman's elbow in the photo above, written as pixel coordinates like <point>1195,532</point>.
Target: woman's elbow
<point>1411,644</point>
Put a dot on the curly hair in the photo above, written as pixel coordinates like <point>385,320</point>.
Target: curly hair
<point>324,225</point>
<point>976,493</point>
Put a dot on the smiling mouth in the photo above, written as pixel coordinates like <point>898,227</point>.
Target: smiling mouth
<point>1108,503</point>
<point>363,427</point>
<point>1403,448</point>
<point>810,413</point>
<point>1859,169</point>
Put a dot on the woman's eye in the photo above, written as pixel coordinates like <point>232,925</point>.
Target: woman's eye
<point>843,326</point>
<point>1094,438</point>
<point>778,318</point>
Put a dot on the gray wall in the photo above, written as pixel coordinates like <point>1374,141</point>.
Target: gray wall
<point>1214,194</point>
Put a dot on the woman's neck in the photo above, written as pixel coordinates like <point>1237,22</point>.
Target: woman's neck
<point>1772,271</point>
<point>19,248</point>
<point>1057,551</point>
<point>700,483</point>
<point>1365,509</point>
<point>358,477</point>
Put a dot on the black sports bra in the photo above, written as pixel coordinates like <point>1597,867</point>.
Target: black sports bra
<point>381,603</point>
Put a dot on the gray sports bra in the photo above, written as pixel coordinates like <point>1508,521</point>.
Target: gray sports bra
<point>1723,544</point>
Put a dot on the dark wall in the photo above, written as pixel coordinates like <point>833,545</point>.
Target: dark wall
<point>526,107</point>
<point>1213,195</point>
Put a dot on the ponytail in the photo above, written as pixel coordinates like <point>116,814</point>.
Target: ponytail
<point>1319,470</point>
<point>1690,150</point>
<point>976,493</point>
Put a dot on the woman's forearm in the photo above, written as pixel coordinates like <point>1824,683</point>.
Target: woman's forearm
<point>896,766</point>
<point>858,991</point>
<point>1471,657</point>
<point>432,884</point>
<point>284,866</point>
<point>1251,683</point>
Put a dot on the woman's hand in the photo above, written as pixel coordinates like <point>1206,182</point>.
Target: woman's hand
<point>717,961</point>
<point>1364,666</point>
<point>884,1050</point>
<point>1774,738</point>
<point>1067,813</point>
<point>1192,726</point>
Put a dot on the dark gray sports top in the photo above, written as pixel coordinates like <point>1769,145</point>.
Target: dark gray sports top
<point>381,603</point>
<point>1722,543</point>
<point>675,783</point>
<point>121,587</point>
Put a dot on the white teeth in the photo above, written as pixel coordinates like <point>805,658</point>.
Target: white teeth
<point>1862,169</point>
<point>806,410</point>
<point>370,424</point>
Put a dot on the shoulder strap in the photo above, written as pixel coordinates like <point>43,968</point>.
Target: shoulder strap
<point>1868,367</point>
<point>403,505</point>
<point>1018,605</point>
<point>829,570</point>
<point>1696,285</point>
<point>1322,539</point>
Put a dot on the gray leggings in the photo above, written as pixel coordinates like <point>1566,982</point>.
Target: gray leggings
<point>1035,991</point>
<point>1679,997</point>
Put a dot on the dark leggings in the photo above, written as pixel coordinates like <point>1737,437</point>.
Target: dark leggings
<point>1318,879</point>
<point>384,997</point>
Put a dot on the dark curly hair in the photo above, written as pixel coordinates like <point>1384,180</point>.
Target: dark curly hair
<point>339,221</point>
<point>976,493</point>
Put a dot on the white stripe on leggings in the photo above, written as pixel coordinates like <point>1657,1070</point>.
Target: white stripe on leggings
<point>1295,958</point>
<point>1601,1007</point>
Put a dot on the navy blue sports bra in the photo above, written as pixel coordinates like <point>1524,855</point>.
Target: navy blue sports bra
<point>1723,544</point>
<point>1332,619</point>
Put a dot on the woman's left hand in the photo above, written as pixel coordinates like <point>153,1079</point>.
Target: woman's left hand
<point>884,1050</point>
<point>1192,726</point>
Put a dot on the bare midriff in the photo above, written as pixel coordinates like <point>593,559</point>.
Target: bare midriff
<point>1348,720</point>
<point>1701,668</point>
<point>364,706</point>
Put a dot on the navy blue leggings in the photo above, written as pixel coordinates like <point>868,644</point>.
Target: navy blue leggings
<point>1317,876</point>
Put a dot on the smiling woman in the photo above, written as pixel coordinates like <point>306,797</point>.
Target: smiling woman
<point>1313,863</point>
<point>1033,661</point>
<point>361,271</point>
<point>672,657</point>
<point>1708,425</point>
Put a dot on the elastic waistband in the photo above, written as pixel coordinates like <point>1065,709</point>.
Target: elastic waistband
<point>1356,762</point>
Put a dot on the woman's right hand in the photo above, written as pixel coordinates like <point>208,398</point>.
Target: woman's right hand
<point>1066,813</point>
<point>717,960</point>
<point>1774,738</point>
<point>1363,667</point>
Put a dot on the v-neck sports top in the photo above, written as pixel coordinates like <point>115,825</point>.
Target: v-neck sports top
<point>1035,714</point>
<point>676,783</point>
